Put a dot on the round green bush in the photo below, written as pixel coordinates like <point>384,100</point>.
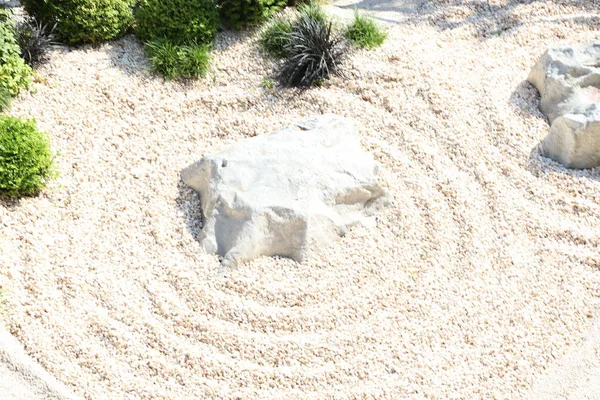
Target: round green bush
<point>26,162</point>
<point>179,21</point>
<point>241,13</point>
<point>15,74</point>
<point>83,21</point>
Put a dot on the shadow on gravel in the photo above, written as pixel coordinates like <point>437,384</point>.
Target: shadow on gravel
<point>492,20</point>
<point>526,100</point>
<point>128,55</point>
<point>403,6</point>
<point>188,204</point>
<point>540,165</point>
<point>229,38</point>
<point>9,203</point>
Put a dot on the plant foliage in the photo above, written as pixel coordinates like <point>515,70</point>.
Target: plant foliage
<point>275,36</point>
<point>26,162</point>
<point>364,32</point>
<point>34,39</point>
<point>243,13</point>
<point>83,21</point>
<point>15,74</point>
<point>179,21</point>
<point>178,61</point>
<point>314,12</point>
<point>5,99</point>
<point>313,51</point>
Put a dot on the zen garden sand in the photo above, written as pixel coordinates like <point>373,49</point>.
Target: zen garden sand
<point>481,273</point>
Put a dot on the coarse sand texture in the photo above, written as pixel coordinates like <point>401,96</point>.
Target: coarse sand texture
<point>481,272</point>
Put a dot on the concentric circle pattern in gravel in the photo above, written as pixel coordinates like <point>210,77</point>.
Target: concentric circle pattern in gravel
<point>479,275</point>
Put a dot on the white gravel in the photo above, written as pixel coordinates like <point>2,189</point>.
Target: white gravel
<point>472,283</point>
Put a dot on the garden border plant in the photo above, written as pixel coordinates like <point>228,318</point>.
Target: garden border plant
<point>15,74</point>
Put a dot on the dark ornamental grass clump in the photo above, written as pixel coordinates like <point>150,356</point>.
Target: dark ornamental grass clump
<point>34,39</point>
<point>313,50</point>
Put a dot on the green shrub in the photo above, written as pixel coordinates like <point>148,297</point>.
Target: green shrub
<point>275,36</point>
<point>26,162</point>
<point>180,21</point>
<point>14,73</point>
<point>364,32</point>
<point>242,13</point>
<point>83,21</point>
<point>178,61</point>
<point>313,51</point>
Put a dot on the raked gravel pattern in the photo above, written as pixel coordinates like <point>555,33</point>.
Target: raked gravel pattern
<point>481,273</point>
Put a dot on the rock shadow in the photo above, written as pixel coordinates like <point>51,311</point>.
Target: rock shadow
<point>526,100</point>
<point>189,206</point>
<point>540,165</point>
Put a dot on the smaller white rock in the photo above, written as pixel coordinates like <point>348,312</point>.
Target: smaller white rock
<point>568,80</point>
<point>285,193</point>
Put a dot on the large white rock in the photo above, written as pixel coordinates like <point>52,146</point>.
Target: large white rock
<point>285,193</point>
<point>568,80</point>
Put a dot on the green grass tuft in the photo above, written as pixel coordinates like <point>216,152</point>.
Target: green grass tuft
<point>178,61</point>
<point>364,32</point>
<point>314,12</point>
<point>275,36</point>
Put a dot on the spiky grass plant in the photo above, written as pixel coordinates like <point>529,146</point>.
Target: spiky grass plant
<point>364,32</point>
<point>196,59</point>
<point>178,61</point>
<point>275,36</point>
<point>314,50</point>
<point>34,39</point>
